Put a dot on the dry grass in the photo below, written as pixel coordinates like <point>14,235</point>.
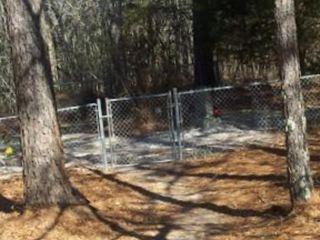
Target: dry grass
<point>234,195</point>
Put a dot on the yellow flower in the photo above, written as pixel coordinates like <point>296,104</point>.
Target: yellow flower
<point>9,151</point>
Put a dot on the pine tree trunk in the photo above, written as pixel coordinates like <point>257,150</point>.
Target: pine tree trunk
<point>45,180</point>
<point>299,176</point>
<point>50,48</point>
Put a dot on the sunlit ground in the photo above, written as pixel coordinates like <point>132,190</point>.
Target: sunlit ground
<point>235,195</point>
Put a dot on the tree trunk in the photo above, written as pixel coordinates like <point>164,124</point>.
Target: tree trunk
<point>48,37</point>
<point>44,177</point>
<point>299,176</point>
<point>204,65</point>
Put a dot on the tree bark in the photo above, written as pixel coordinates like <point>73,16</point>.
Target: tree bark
<point>44,176</point>
<point>49,40</point>
<point>299,176</point>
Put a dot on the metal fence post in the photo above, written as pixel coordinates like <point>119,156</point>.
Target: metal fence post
<point>102,135</point>
<point>98,120</point>
<point>177,119</point>
<point>171,120</point>
<point>110,129</point>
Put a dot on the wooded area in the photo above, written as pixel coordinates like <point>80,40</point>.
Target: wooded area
<point>128,48</point>
<point>110,49</point>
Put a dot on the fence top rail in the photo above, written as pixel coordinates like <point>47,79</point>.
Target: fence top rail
<point>243,87</point>
<point>311,76</point>
<point>205,90</point>
<point>77,107</point>
<point>59,110</point>
<point>138,97</point>
<point>8,118</point>
<point>227,87</point>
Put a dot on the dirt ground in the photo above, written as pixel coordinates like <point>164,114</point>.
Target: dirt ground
<point>239,194</point>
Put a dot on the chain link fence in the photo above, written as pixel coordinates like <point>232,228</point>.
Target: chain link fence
<point>139,129</point>
<point>311,93</point>
<point>10,136</point>
<point>79,129</point>
<point>225,118</point>
<point>171,126</point>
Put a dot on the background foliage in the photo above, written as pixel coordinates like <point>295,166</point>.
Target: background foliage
<point>132,47</point>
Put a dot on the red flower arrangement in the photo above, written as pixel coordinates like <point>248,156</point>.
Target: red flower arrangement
<point>216,112</point>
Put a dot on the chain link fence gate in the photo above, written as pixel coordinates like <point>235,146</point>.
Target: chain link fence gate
<point>197,123</point>
<point>138,130</point>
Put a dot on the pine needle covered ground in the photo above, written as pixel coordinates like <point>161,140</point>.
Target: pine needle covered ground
<point>233,195</point>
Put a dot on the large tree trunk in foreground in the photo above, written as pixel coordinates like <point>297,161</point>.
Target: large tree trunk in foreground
<point>50,48</point>
<point>45,180</point>
<point>298,158</point>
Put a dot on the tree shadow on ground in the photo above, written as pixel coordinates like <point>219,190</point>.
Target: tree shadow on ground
<point>271,212</point>
<point>115,226</point>
<point>108,221</point>
<point>281,152</point>
<point>53,225</point>
<point>9,206</point>
<point>165,225</point>
<point>277,178</point>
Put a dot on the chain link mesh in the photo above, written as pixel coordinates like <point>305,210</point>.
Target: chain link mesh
<point>149,128</point>
<point>267,106</point>
<point>140,130</point>
<point>223,118</point>
<point>10,138</point>
<point>78,126</point>
<point>311,93</point>
<point>79,130</point>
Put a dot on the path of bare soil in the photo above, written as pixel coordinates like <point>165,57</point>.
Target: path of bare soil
<point>239,194</point>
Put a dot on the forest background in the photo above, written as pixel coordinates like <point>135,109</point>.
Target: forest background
<point>133,47</point>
